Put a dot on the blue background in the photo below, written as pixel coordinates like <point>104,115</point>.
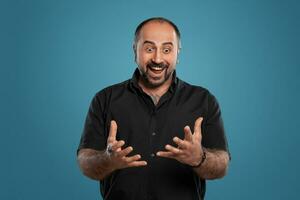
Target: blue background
<point>55,55</point>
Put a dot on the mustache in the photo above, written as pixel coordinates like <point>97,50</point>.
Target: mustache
<point>158,65</point>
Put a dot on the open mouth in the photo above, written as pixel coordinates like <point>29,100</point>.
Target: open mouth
<point>156,70</point>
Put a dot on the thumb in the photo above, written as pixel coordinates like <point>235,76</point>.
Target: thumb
<point>197,128</point>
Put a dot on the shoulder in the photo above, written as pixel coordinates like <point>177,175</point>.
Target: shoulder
<point>196,91</point>
<point>102,97</point>
<point>115,88</point>
<point>186,87</point>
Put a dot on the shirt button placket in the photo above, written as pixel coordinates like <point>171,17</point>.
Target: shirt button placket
<point>153,133</point>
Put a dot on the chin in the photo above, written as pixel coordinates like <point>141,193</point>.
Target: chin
<point>154,84</point>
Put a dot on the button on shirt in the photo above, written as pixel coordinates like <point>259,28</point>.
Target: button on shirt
<point>148,128</point>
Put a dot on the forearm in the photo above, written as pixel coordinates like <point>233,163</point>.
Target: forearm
<point>214,166</point>
<point>94,164</point>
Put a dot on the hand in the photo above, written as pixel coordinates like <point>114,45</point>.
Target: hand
<point>117,155</point>
<point>189,149</point>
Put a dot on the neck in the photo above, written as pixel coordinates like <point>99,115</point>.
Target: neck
<point>156,92</point>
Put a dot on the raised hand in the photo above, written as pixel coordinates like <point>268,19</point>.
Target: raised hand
<point>189,150</point>
<point>118,156</point>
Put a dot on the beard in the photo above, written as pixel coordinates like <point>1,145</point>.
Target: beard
<point>154,82</point>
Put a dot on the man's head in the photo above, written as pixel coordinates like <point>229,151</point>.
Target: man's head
<point>156,47</point>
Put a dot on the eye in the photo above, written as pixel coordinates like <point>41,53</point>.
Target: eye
<point>149,49</point>
<point>166,51</point>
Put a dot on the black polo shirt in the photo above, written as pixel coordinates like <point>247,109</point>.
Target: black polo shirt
<point>148,128</point>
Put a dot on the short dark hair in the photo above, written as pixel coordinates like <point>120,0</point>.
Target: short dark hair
<point>157,19</point>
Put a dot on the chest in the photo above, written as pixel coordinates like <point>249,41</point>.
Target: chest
<point>148,128</point>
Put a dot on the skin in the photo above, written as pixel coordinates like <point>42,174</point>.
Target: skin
<point>189,151</point>
<point>98,164</point>
<point>157,44</point>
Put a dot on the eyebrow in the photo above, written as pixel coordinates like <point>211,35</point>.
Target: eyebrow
<point>150,42</point>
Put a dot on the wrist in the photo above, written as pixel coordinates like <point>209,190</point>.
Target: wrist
<point>203,158</point>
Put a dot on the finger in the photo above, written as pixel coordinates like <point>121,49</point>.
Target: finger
<point>137,164</point>
<point>182,144</point>
<point>124,152</point>
<point>197,127</point>
<point>188,135</point>
<point>112,131</point>
<point>132,158</point>
<point>173,149</point>
<point>117,145</point>
<point>166,154</point>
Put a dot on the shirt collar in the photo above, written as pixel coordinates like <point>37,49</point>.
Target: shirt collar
<point>135,77</point>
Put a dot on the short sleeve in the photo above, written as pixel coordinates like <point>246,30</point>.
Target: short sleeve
<point>94,128</point>
<point>213,134</point>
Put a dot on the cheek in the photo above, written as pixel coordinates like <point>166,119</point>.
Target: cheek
<point>172,59</point>
<point>142,61</point>
<point>142,57</point>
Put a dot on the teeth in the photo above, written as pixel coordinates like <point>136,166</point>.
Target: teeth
<point>157,68</point>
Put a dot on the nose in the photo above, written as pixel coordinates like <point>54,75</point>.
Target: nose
<point>157,57</point>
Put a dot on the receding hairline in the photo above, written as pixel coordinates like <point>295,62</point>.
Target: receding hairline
<point>156,20</point>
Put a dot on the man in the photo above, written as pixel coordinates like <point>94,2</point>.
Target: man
<point>154,136</point>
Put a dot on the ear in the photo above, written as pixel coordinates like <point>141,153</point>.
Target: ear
<point>178,51</point>
<point>134,51</point>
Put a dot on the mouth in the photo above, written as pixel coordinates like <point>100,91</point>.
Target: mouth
<point>156,70</point>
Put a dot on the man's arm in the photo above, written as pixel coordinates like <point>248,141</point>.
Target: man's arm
<point>214,166</point>
<point>94,164</point>
<point>98,164</point>
<point>190,152</point>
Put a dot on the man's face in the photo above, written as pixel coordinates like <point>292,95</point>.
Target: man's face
<point>156,53</point>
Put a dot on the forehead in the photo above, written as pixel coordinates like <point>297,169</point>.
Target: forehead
<point>158,32</point>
